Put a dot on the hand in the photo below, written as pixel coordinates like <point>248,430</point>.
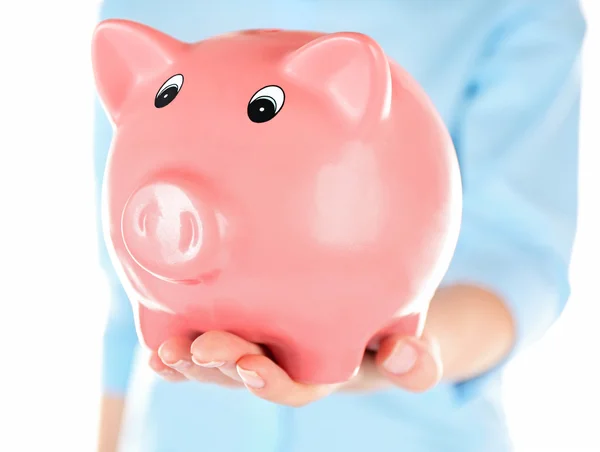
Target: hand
<point>228,360</point>
<point>468,328</point>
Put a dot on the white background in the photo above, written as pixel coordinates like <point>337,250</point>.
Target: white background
<point>52,296</point>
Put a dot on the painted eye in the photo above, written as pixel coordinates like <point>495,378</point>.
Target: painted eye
<point>168,92</point>
<point>265,104</point>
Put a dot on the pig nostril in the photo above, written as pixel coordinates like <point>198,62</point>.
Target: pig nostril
<point>142,220</point>
<point>190,238</point>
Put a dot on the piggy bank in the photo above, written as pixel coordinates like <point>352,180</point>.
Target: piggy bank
<point>297,189</point>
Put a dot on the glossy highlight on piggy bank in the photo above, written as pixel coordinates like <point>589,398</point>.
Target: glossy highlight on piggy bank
<point>295,188</point>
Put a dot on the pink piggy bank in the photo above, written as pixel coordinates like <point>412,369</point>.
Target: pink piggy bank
<point>297,189</point>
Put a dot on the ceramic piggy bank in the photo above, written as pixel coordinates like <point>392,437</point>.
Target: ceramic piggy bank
<point>297,189</point>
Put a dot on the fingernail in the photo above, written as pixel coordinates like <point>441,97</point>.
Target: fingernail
<point>402,359</point>
<point>168,373</point>
<point>250,378</point>
<point>208,364</point>
<point>166,355</point>
<point>181,365</point>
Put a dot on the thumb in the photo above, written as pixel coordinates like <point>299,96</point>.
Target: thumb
<point>411,363</point>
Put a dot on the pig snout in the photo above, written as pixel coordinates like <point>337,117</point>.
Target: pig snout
<point>171,231</point>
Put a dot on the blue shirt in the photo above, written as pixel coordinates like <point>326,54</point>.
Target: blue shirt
<point>505,77</point>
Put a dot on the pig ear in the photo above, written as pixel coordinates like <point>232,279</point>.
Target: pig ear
<point>125,53</point>
<point>350,69</point>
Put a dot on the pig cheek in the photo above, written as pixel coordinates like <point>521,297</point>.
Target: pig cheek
<point>139,290</point>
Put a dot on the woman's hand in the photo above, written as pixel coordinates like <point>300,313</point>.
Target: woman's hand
<point>228,360</point>
<point>468,331</point>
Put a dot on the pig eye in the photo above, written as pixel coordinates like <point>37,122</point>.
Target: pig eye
<point>168,92</point>
<point>265,104</point>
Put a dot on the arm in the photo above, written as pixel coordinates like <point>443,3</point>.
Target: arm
<point>518,147</point>
<point>517,142</point>
<point>120,339</point>
<point>111,415</point>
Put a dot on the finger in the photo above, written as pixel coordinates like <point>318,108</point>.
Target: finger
<point>221,350</point>
<point>268,381</point>
<point>166,372</point>
<point>175,353</point>
<point>412,363</point>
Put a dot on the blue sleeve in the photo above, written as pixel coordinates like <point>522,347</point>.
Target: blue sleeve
<point>517,143</point>
<point>120,337</point>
